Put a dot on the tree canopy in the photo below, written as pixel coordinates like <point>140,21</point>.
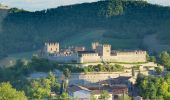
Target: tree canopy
<point>113,8</point>
<point>164,59</point>
<point>7,92</point>
<point>156,88</point>
<point>104,95</point>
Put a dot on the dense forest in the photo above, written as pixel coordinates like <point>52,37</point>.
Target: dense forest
<point>124,24</point>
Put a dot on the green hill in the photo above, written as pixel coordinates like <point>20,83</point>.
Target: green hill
<point>124,24</point>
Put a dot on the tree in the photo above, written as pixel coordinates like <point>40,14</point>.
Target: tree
<point>55,86</point>
<point>122,98</point>
<point>152,91</point>
<point>42,88</point>
<point>16,10</point>
<point>158,70</point>
<point>67,74</point>
<point>92,98</point>
<point>164,59</point>
<point>113,8</point>
<point>164,88</point>
<point>9,93</point>
<point>167,76</point>
<point>39,89</point>
<point>154,88</point>
<point>64,96</point>
<point>104,95</point>
<point>133,71</point>
<point>152,59</point>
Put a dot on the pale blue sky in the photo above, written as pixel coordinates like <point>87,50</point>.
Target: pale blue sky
<point>33,5</point>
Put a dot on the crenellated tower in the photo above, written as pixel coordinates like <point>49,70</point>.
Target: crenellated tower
<point>95,45</point>
<point>52,48</point>
<point>104,49</point>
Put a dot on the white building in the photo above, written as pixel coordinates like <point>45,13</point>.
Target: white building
<point>78,92</point>
<point>85,93</point>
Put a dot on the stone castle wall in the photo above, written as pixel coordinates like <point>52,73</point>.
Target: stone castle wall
<point>102,53</point>
<point>94,58</point>
<point>136,56</point>
<point>82,78</point>
<point>92,77</point>
<point>89,58</point>
<point>127,57</point>
<point>64,59</point>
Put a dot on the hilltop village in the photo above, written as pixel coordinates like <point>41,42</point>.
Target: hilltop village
<point>119,83</point>
<point>131,61</point>
<point>96,72</point>
<point>98,53</point>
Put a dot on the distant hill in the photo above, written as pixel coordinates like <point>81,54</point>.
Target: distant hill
<point>124,24</point>
<point>3,7</point>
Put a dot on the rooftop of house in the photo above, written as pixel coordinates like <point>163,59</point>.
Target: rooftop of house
<point>74,88</point>
<point>86,52</point>
<point>98,90</point>
<point>110,89</point>
<point>119,80</point>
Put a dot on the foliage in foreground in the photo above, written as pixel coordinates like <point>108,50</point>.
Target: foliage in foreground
<point>164,59</point>
<point>155,88</point>
<point>42,88</point>
<point>7,92</point>
<point>104,95</point>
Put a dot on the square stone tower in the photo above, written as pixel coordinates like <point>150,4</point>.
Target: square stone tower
<point>52,48</point>
<point>104,50</point>
<point>95,45</point>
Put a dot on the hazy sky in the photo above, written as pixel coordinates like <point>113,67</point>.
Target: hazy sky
<point>33,5</point>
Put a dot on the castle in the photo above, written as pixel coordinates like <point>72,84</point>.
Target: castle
<point>98,53</point>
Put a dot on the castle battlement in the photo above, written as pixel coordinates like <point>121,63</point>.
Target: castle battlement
<point>51,43</point>
<point>51,47</point>
<point>94,45</point>
<point>106,45</point>
<point>130,52</point>
<point>98,53</point>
